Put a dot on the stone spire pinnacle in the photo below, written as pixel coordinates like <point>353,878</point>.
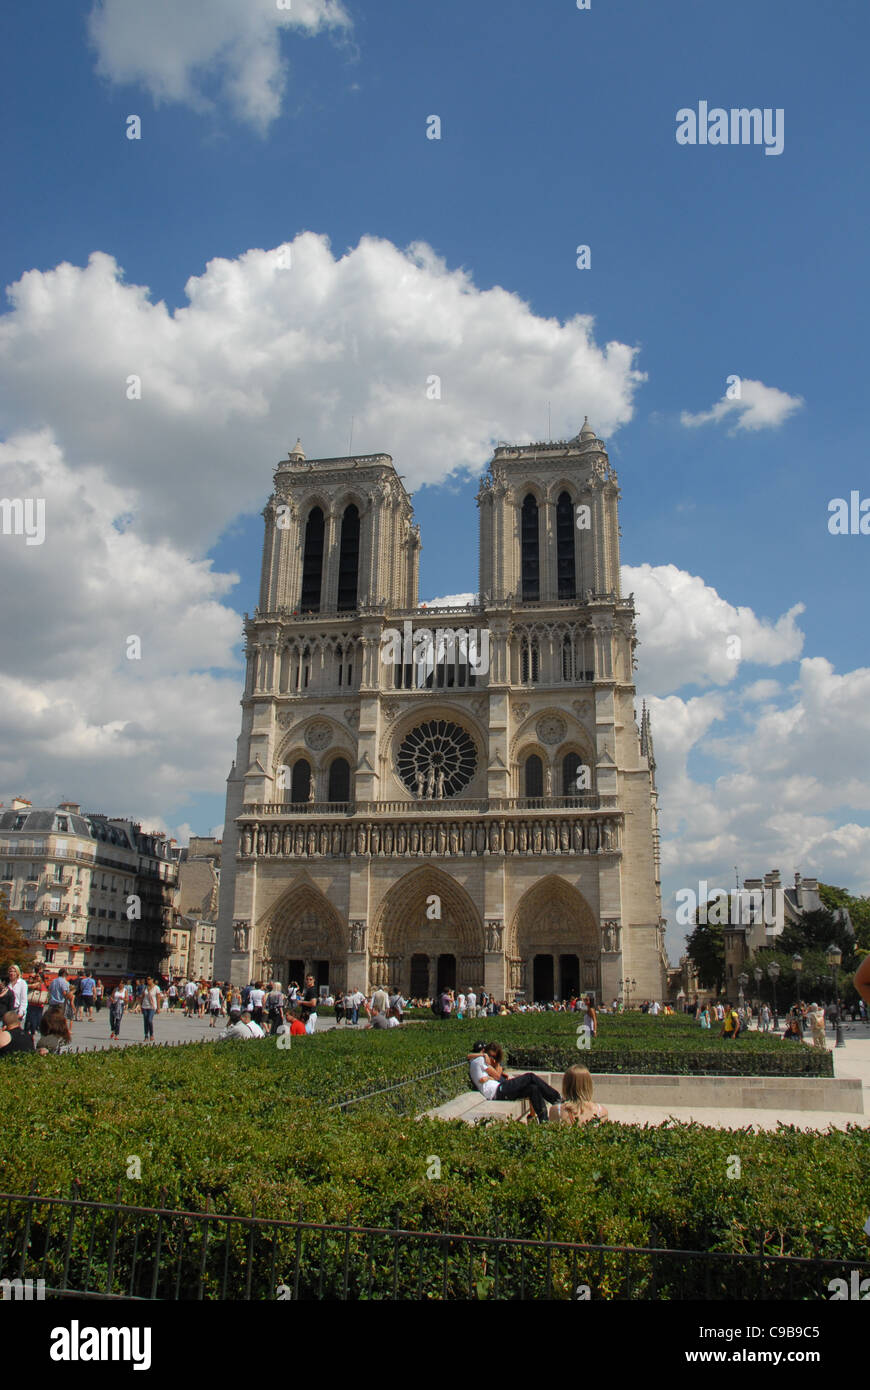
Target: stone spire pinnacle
<point>297,452</point>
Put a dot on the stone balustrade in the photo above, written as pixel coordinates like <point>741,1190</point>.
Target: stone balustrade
<point>531,835</point>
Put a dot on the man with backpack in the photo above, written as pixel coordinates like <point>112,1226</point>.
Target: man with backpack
<point>275,1006</point>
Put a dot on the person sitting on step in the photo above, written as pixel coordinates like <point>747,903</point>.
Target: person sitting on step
<point>577,1106</point>
<point>488,1077</point>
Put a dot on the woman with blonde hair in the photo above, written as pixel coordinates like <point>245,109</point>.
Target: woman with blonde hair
<point>577,1105</point>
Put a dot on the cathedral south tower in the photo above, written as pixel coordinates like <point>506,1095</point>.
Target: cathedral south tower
<point>428,797</point>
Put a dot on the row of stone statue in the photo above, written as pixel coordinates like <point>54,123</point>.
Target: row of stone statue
<point>586,836</point>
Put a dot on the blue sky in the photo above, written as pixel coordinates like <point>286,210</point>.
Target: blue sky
<point>558,128</point>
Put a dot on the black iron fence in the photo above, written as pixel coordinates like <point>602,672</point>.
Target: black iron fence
<point>109,1250</point>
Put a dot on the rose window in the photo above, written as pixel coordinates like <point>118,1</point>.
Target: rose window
<point>437,759</point>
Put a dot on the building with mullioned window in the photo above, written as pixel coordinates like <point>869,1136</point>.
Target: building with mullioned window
<point>88,891</point>
<point>444,797</point>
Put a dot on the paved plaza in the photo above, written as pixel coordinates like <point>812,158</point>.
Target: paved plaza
<point>170,1027</point>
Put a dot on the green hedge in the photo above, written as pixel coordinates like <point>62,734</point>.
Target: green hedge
<point>236,1124</point>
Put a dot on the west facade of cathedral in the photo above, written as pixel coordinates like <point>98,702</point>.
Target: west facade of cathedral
<point>444,797</point>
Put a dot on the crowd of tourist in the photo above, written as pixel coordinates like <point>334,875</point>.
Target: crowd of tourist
<point>731,1020</point>
<point>38,1013</point>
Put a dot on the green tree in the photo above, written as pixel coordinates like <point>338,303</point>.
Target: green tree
<point>858,909</point>
<point>809,937</point>
<point>14,949</point>
<point>705,947</point>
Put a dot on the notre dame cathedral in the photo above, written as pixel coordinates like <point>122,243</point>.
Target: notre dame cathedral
<point>444,797</point>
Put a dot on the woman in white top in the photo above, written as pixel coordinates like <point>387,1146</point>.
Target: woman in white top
<point>577,1106</point>
<point>215,1004</point>
<point>117,1004</point>
<point>19,989</point>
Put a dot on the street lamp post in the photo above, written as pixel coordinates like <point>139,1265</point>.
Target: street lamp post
<point>773,971</point>
<point>797,966</point>
<point>627,986</point>
<point>742,982</point>
<point>834,957</point>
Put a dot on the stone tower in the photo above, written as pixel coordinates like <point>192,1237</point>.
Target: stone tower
<point>444,797</point>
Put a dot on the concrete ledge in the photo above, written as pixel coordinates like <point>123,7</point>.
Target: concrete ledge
<point>842,1095</point>
<point>812,1096</point>
<point>497,1110</point>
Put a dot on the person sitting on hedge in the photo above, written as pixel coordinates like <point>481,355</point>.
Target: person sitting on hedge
<point>793,1032</point>
<point>55,1034</point>
<point>13,1038</point>
<point>488,1077</point>
<point>241,1026</point>
<point>293,1024</point>
<point>577,1106</point>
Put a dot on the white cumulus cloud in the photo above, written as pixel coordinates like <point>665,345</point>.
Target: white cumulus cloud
<point>194,51</point>
<point>758,407</point>
<point>285,342</point>
<point>78,716</point>
<point>689,634</point>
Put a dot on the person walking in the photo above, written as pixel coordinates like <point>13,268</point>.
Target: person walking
<point>256,1001</point>
<point>309,1005</point>
<point>816,1017</point>
<point>730,1023</point>
<point>150,998</point>
<point>87,986</point>
<point>215,1004</point>
<point>590,1020</point>
<point>117,1004</point>
<point>37,999</point>
<point>274,1005</point>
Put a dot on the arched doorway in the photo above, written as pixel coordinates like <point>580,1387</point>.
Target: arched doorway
<point>301,935</point>
<point>427,917</point>
<point>543,984</point>
<point>554,934</point>
<point>569,976</point>
<point>419,987</point>
<point>446,978</point>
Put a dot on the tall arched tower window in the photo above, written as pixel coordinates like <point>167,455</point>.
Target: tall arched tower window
<point>531,569</point>
<point>300,781</point>
<point>565,568</point>
<point>533,776</point>
<point>572,785</point>
<point>348,560</point>
<point>339,780</point>
<point>529,661</point>
<point>567,659</point>
<point>312,562</point>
